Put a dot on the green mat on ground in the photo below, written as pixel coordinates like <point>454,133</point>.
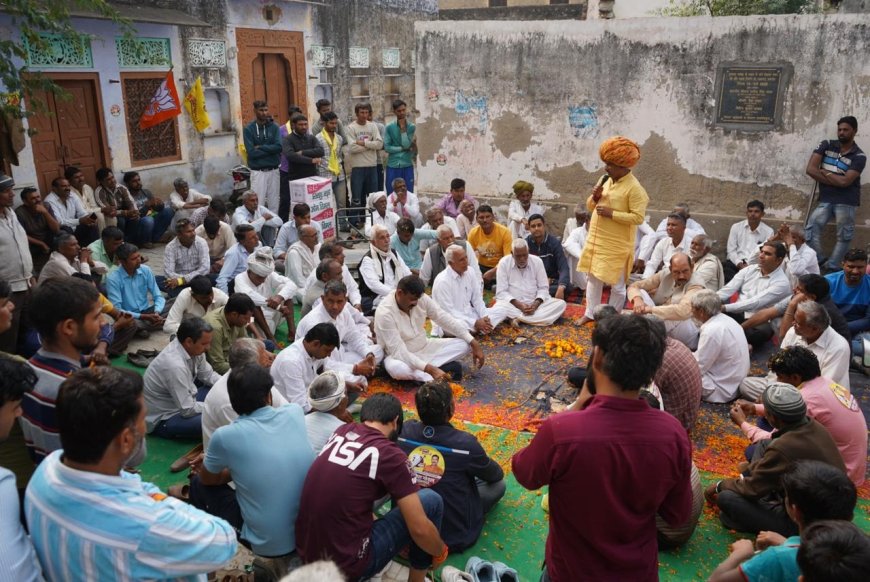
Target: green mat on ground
<point>516,529</point>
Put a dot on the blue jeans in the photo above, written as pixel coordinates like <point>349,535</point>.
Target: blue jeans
<point>390,534</point>
<point>363,181</point>
<point>845,217</point>
<point>407,174</point>
<point>179,427</point>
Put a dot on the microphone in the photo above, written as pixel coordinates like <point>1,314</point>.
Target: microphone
<point>603,179</point>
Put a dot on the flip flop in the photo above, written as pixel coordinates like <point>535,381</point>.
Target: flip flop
<point>138,361</point>
<point>505,573</point>
<point>183,462</point>
<point>481,570</point>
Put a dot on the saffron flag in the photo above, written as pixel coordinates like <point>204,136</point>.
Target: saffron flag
<point>164,105</point>
<point>194,103</point>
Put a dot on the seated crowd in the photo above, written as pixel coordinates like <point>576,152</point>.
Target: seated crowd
<point>269,414</point>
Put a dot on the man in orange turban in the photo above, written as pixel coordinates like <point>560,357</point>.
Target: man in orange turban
<point>616,206</point>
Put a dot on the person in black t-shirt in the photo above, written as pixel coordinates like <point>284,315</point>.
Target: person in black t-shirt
<point>453,464</point>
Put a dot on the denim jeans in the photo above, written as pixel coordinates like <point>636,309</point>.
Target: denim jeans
<point>845,217</point>
<point>179,427</point>
<point>390,534</point>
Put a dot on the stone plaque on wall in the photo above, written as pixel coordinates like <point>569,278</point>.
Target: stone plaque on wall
<point>749,96</point>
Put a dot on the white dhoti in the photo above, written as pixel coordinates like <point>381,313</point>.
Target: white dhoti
<point>273,318</point>
<point>752,387</point>
<point>578,279</point>
<point>594,289</point>
<point>349,358</point>
<point>548,312</point>
<point>437,352</point>
<point>267,186</point>
<point>684,330</point>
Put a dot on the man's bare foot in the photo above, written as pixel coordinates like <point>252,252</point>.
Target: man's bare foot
<point>584,320</point>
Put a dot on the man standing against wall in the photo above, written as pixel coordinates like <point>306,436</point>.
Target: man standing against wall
<point>617,206</point>
<point>836,165</point>
<point>364,141</point>
<point>263,144</point>
<point>401,146</point>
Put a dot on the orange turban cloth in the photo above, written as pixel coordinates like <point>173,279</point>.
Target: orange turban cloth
<point>619,151</point>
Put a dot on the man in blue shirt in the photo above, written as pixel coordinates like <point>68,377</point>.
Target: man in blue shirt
<point>262,448</point>
<point>836,165</point>
<point>236,258</point>
<point>263,146</point>
<point>850,292</point>
<point>406,242</point>
<point>128,289</point>
<point>98,522</point>
<point>814,491</point>
<point>549,249</point>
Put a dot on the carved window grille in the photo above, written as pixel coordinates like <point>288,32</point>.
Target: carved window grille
<point>391,58</point>
<point>59,51</point>
<point>323,57</point>
<point>154,145</point>
<point>143,53</point>
<point>358,57</point>
<point>207,53</point>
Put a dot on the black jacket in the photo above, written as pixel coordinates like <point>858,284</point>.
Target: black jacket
<point>299,151</point>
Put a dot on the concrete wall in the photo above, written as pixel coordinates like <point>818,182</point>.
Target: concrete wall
<point>503,111</point>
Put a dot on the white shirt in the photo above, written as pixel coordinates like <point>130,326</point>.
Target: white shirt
<point>369,274</point>
<point>217,410</point>
<point>177,202</point>
<point>59,266</point>
<point>389,221</point>
<point>645,241</point>
<point>573,243</point>
<point>521,284</point>
<point>426,269</point>
<point>301,261</point>
<point>293,371</point>
<point>832,351</point>
<point>274,284</point>
<point>743,242</point>
<point>756,291</point>
<point>449,221</point>
<point>459,295</point>
<point>320,426</point>
<point>723,357</point>
<point>353,294</point>
<point>402,335</point>
<point>352,340</point>
<point>411,206</point>
<point>243,216</point>
<point>186,307</point>
<point>802,261</point>
<point>289,234</point>
<point>691,224</point>
<point>663,252</point>
<point>66,213</point>
<point>516,215</point>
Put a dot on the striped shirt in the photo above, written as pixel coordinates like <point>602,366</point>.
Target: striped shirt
<point>186,262</point>
<point>89,526</point>
<point>38,422</point>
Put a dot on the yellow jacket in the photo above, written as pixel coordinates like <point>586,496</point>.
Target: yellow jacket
<point>609,249</point>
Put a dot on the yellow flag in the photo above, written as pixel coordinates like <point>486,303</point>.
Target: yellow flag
<point>194,102</point>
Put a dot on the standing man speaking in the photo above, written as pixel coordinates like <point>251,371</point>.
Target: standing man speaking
<point>836,165</point>
<point>617,206</point>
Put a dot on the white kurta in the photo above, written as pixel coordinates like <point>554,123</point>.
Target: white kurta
<point>293,371</point>
<point>353,295</point>
<point>354,347</point>
<point>516,215</point>
<point>462,297</point>
<point>403,338</point>
<point>369,274</point>
<point>301,261</point>
<point>573,245</point>
<point>274,284</point>
<point>389,221</point>
<point>426,269</point>
<point>662,253</point>
<point>723,358</point>
<point>525,285</point>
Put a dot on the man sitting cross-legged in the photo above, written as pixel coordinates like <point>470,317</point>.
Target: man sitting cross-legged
<point>827,402</point>
<point>668,294</point>
<point>491,242</point>
<point>261,218</point>
<point>299,363</point>
<point>380,269</point>
<point>264,447</point>
<point>356,356</point>
<point>678,240</point>
<point>722,354</point>
<point>198,299</point>
<point>229,323</point>
<point>236,258</point>
<point>469,481</point>
<point>457,291</point>
<point>410,355</point>
<point>549,249</point>
<point>753,502</point>
<point>128,289</point>
<point>327,270</point>
<point>332,250</point>
<point>185,257</point>
<point>435,260</point>
<point>359,465</point>
<point>814,491</point>
<point>707,267</point>
<point>177,381</point>
<point>113,525</point>
<point>327,395</point>
<point>302,258</point>
<point>523,291</point>
<point>272,293</point>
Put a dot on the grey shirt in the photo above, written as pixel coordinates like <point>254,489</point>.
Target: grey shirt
<point>170,387</point>
<point>16,264</point>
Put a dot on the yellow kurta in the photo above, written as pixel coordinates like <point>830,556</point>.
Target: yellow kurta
<point>609,249</point>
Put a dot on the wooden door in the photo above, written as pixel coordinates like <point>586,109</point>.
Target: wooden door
<point>273,84</point>
<point>69,133</point>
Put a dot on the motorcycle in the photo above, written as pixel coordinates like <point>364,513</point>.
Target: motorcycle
<point>241,183</point>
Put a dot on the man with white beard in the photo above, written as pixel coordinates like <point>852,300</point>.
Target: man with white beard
<point>457,291</point>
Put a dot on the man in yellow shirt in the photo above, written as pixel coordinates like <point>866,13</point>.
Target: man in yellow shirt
<point>491,241</point>
<point>617,206</point>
